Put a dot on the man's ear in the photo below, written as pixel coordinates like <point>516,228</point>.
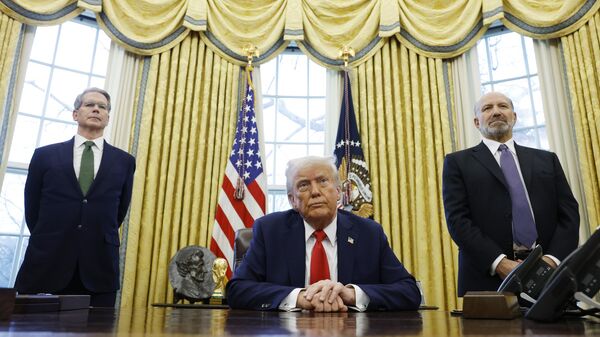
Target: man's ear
<point>476,122</point>
<point>75,114</point>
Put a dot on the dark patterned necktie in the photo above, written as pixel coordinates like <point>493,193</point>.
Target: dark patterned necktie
<point>524,231</point>
<point>86,170</point>
<point>319,267</point>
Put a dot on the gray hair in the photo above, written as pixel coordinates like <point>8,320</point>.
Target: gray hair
<point>79,98</point>
<point>294,165</point>
<point>477,105</point>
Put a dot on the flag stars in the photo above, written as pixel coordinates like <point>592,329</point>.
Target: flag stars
<point>244,130</point>
<point>251,141</point>
<point>246,174</point>
<point>258,164</point>
<point>248,163</point>
<point>253,130</point>
<point>250,152</point>
<point>238,163</point>
<point>246,108</point>
<point>246,119</point>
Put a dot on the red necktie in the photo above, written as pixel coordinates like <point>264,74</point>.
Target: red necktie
<point>319,268</point>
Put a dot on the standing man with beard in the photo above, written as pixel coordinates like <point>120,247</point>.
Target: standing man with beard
<point>502,199</point>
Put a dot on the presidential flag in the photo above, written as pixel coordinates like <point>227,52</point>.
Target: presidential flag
<point>243,194</point>
<point>352,167</point>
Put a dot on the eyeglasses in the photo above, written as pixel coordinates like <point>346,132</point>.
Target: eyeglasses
<point>100,106</point>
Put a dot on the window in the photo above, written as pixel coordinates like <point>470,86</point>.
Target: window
<point>507,64</point>
<point>64,60</point>
<point>293,90</point>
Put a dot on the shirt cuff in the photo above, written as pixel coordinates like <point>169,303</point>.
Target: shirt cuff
<point>557,261</point>
<point>362,299</point>
<point>496,263</point>
<point>289,302</point>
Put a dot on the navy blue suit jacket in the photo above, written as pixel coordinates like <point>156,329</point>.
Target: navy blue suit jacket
<point>275,264</point>
<point>479,212</point>
<point>68,228</point>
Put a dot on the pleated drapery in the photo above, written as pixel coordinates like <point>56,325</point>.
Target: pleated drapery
<point>185,131</point>
<point>403,117</point>
<point>10,32</point>
<point>321,27</point>
<point>582,58</point>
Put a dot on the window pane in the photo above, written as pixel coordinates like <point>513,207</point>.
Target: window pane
<point>24,139</point>
<point>65,85</point>
<point>11,203</point>
<point>267,78</point>
<point>292,75</point>
<point>506,56</point>
<point>44,44</point>
<point>8,248</point>
<point>76,46</point>
<point>269,120</point>
<point>96,81</point>
<point>318,79</point>
<point>484,72</point>
<point>316,117</point>
<point>280,202</point>
<point>285,152</point>
<point>101,57</point>
<point>34,89</point>
<point>527,137</point>
<point>55,132</point>
<point>291,120</point>
<point>270,163</point>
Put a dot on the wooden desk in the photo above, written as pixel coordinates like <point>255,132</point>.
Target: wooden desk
<point>157,321</point>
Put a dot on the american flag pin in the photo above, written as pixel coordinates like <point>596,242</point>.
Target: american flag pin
<point>350,240</point>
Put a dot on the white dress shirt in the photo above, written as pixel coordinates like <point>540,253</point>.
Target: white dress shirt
<point>330,246</point>
<point>493,146</point>
<point>78,148</point>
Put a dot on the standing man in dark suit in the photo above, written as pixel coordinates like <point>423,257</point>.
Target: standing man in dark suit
<point>496,217</point>
<point>76,196</point>
<point>316,257</point>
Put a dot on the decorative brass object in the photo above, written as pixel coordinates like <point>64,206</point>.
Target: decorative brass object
<point>251,51</point>
<point>346,52</point>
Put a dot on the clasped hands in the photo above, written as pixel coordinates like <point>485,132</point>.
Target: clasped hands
<point>326,296</point>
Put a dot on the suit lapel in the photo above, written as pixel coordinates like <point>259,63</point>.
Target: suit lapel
<point>297,250</point>
<point>105,165</point>
<point>346,238</point>
<point>525,163</point>
<point>65,153</point>
<point>485,157</point>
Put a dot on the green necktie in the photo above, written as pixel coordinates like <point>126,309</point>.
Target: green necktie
<point>86,170</point>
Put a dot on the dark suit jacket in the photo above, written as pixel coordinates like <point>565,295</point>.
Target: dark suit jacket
<point>68,228</point>
<point>275,264</point>
<point>478,210</point>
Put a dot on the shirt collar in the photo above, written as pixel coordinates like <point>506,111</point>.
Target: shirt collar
<point>79,140</point>
<point>493,145</point>
<point>330,230</point>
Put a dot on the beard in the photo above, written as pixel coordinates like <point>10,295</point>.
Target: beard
<point>498,130</point>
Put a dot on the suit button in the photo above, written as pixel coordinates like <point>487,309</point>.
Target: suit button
<point>85,201</point>
<point>78,226</point>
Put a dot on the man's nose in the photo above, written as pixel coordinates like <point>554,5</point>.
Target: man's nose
<point>315,188</point>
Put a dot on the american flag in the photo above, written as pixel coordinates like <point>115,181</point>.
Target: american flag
<point>243,194</point>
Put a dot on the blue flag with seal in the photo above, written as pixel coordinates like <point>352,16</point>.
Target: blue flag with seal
<point>352,167</point>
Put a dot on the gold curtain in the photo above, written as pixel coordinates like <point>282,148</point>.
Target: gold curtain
<point>403,119</point>
<point>321,27</point>
<point>9,35</point>
<point>582,57</point>
<point>185,131</point>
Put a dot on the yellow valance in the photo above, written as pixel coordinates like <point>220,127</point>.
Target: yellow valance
<point>321,28</point>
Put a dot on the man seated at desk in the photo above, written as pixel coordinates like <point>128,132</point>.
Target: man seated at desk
<point>317,257</point>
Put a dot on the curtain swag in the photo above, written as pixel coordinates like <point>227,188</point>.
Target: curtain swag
<point>321,28</point>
